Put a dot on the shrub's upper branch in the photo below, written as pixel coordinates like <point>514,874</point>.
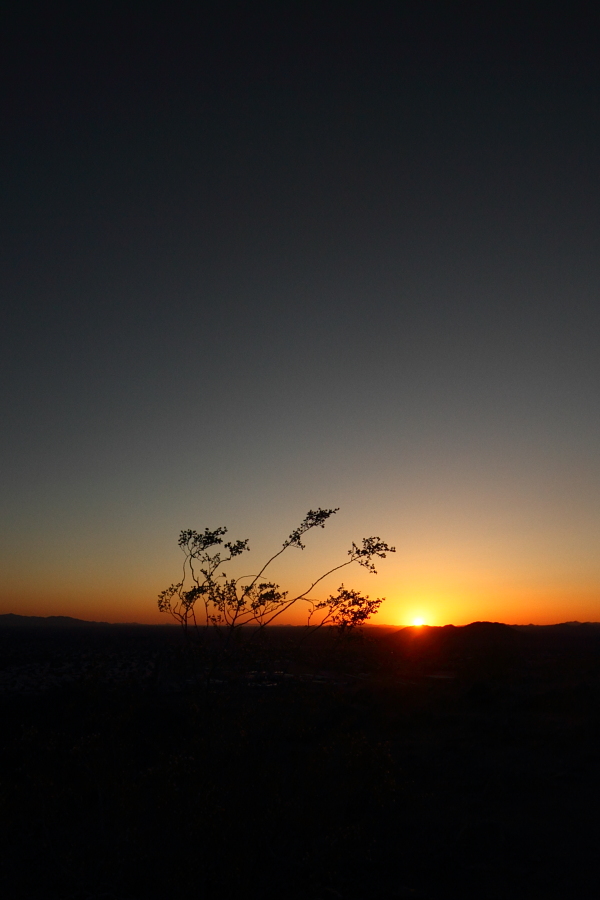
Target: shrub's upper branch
<point>233,605</point>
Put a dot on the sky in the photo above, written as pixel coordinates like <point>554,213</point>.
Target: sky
<point>263,258</point>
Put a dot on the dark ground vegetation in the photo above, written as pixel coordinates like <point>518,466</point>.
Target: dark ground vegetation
<point>426,763</point>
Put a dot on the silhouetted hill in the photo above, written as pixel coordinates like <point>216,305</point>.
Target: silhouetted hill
<point>474,747</point>
<point>11,620</point>
<point>562,627</point>
<point>487,633</point>
<point>477,634</point>
<point>484,648</point>
<point>492,650</point>
<point>566,635</point>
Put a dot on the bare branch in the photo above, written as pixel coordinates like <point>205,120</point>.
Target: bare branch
<point>229,604</point>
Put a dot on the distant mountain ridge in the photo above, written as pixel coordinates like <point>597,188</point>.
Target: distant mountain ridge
<point>449,644</point>
<point>12,620</point>
<point>488,628</point>
<point>491,627</point>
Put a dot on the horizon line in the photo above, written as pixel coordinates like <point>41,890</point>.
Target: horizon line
<point>73,619</point>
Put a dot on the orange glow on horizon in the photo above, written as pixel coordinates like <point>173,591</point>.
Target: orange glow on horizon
<point>410,602</point>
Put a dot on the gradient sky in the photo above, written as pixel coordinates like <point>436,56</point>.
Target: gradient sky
<point>260,258</point>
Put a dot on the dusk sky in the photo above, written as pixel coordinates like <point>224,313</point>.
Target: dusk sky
<point>262,258</point>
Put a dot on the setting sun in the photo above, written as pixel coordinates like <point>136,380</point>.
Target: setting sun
<point>418,622</point>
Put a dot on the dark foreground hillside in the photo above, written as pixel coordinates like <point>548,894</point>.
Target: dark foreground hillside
<point>427,763</point>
